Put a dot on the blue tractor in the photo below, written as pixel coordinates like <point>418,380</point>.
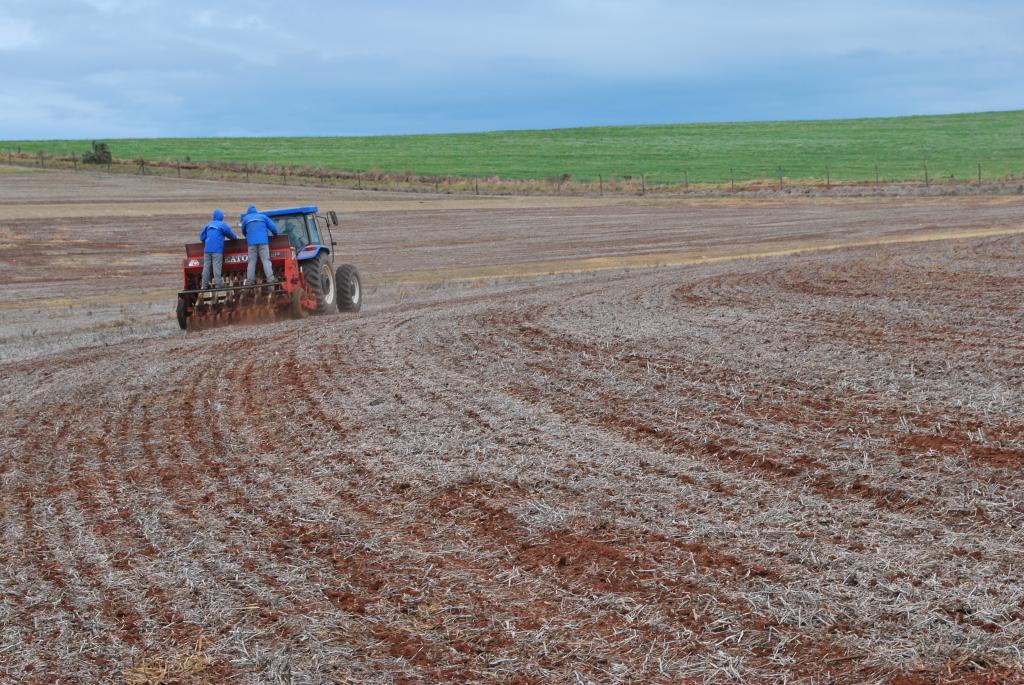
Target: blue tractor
<point>309,234</point>
<point>305,278</point>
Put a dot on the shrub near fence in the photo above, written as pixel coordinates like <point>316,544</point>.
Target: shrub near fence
<point>562,184</point>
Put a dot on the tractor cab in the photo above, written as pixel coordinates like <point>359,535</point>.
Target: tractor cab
<point>308,232</point>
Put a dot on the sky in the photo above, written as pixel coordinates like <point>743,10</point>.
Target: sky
<point>152,68</point>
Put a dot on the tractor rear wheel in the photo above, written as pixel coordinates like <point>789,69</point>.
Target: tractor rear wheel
<point>350,288</point>
<point>182,314</point>
<point>320,280</point>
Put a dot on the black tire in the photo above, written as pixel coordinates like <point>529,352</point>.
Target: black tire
<point>182,314</point>
<point>350,288</point>
<point>321,282</point>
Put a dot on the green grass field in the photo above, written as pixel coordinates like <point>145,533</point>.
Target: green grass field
<point>951,145</point>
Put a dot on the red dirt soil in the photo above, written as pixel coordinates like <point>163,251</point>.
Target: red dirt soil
<point>800,469</point>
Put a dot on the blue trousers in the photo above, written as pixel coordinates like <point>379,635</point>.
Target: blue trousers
<point>214,260</point>
<point>263,251</point>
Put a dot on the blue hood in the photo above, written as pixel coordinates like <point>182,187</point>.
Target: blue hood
<point>256,227</point>
<point>215,232</point>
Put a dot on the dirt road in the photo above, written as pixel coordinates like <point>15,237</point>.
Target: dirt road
<point>798,469</point>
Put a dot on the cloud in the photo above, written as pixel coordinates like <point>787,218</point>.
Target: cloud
<point>205,18</point>
<point>121,6</point>
<point>41,106</point>
<point>16,34</point>
<point>320,67</point>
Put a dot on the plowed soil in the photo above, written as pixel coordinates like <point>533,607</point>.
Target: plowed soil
<point>792,453</point>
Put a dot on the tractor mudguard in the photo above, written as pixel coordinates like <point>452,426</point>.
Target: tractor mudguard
<point>311,252</point>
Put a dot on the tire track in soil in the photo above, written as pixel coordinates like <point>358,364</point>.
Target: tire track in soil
<point>295,374</point>
<point>43,564</point>
<point>217,497</point>
<point>806,468</point>
<point>173,482</point>
<point>817,413</point>
<point>561,541</point>
<point>610,411</point>
<point>473,512</point>
<point>582,565</point>
<point>534,395</point>
<point>42,546</point>
<point>52,549</point>
<point>121,540</point>
<point>711,557</point>
<point>607,413</point>
<point>840,327</point>
<point>105,533</point>
<point>173,632</point>
<point>598,560</point>
<point>319,552</point>
<point>365,570</point>
<point>245,389</point>
<point>270,558</point>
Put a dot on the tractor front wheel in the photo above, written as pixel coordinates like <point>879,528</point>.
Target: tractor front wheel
<point>320,280</point>
<point>350,288</point>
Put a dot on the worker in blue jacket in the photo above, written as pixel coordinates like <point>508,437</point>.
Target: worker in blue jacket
<point>255,227</point>
<point>213,236</point>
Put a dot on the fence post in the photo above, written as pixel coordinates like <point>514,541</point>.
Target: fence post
<point>828,177</point>
<point>42,163</point>
<point>359,180</point>
<point>877,177</point>
<point>476,186</point>
<point>686,180</point>
<point>177,164</point>
<point>732,180</point>
<point>284,176</point>
<point>246,173</point>
<point>643,184</point>
<point>74,161</point>
<point>926,174</point>
<point>10,160</point>
<point>979,172</point>
<point>600,185</point>
<point>780,178</point>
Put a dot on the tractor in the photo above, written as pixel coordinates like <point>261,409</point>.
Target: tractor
<point>305,278</point>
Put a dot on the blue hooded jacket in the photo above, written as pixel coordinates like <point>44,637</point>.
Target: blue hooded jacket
<point>256,225</point>
<point>214,233</point>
